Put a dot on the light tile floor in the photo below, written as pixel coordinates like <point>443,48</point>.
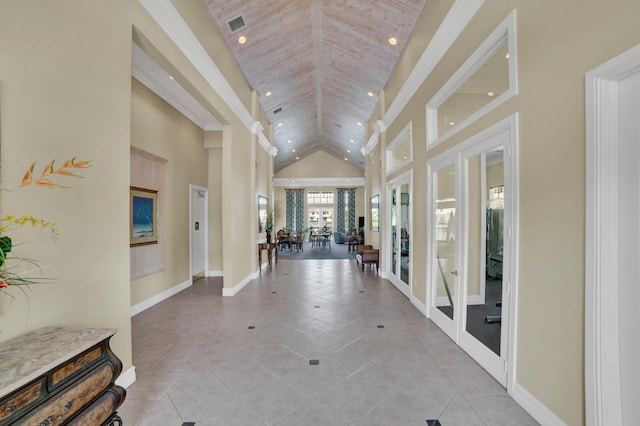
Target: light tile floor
<point>197,361</point>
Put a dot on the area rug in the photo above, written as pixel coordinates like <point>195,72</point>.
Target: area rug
<point>336,251</point>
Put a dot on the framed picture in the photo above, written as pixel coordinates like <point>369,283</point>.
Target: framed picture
<point>262,213</point>
<point>143,217</point>
<point>375,209</point>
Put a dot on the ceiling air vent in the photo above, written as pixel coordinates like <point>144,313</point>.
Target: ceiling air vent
<point>277,110</point>
<point>236,23</point>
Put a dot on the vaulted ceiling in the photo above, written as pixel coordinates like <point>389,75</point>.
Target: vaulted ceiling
<point>317,65</point>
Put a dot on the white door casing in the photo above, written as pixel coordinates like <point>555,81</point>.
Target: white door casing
<point>610,136</point>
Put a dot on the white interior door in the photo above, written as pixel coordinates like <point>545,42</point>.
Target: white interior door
<point>198,227</point>
<point>400,233</point>
<point>443,270</point>
<point>471,245</point>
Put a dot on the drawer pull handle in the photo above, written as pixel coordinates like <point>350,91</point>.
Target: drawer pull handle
<point>67,407</point>
<point>11,408</point>
<point>46,422</point>
<point>80,363</point>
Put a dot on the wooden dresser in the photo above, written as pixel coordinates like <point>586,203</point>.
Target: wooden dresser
<point>60,376</point>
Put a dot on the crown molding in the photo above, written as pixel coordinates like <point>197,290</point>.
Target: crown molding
<point>172,23</point>
<point>378,128</point>
<point>304,182</point>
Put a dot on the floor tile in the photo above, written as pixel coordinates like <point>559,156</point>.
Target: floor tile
<point>196,360</point>
<point>312,414</point>
<point>236,414</point>
<point>500,410</point>
<point>460,413</point>
<point>273,403</point>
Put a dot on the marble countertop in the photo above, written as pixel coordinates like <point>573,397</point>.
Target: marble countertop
<point>27,357</point>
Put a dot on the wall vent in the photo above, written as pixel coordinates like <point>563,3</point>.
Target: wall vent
<point>277,110</point>
<point>236,23</point>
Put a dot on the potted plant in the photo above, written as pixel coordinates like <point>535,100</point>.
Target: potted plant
<point>269,225</point>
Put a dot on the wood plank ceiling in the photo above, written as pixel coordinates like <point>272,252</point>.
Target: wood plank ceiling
<point>317,65</point>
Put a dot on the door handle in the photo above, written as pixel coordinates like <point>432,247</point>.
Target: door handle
<point>454,273</point>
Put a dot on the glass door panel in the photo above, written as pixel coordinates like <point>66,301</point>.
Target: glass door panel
<point>393,242</point>
<point>399,269</point>
<point>482,334</point>
<point>446,273</point>
<point>485,248</point>
<point>404,233</point>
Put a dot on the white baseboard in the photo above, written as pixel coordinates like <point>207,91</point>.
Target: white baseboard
<point>127,378</point>
<point>535,408</point>
<point>215,274</point>
<point>232,291</point>
<point>418,304</point>
<point>146,304</point>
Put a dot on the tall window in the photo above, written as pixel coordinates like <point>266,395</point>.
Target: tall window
<point>346,211</point>
<point>320,197</point>
<point>295,209</point>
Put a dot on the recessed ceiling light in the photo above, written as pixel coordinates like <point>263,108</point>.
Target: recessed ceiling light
<point>349,151</point>
<point>293,150</point>
<point>451,123</point>
<point>242,39</point>
<point>346,159</point>
<point>171,77</point>
<point>490,94</point>
<point>359,123</point>
<point>290,140</point>
<point>393,41</point>
<point>268,94</point>
<point>404,158</point>
<point>297,158</point>
<point>370,94</point>
<point>506,56</point>
<point>351,141</point>
<point>280,124</point>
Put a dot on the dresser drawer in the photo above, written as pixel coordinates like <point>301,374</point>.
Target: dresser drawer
<point>63,406</point>
<point>102,409</point>
<point>20,401</point>
<point>75,365</point>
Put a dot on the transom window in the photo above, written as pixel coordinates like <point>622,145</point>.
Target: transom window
<point>320,197</point>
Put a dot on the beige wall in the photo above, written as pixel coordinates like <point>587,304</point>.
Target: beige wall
<point>158,128</point>
<point>213,143</point>
<point>66,91</point>
<point>557,44</point>
<point>320,165</point>
<point>57,103</point>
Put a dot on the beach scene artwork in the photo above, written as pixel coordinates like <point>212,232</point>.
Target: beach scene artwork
<point>142,217</point>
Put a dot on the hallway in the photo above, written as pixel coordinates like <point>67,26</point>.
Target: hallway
<point>381,362</point>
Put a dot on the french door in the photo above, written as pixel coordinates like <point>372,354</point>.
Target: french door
<point>399,232</point>
<point>470,255</point>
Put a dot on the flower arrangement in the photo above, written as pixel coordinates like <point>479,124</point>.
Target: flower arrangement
<point>15,271</point>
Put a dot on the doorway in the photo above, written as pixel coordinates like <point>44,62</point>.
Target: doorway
<point>471,245</point>
<point>199,225</point>
<point>400,233</point>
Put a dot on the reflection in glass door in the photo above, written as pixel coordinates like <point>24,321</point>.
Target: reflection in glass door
<point>471,246</point>
<point>393,216</point>
<point>482,333</point>
<point>399,270</point>
<point>444,268</point>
